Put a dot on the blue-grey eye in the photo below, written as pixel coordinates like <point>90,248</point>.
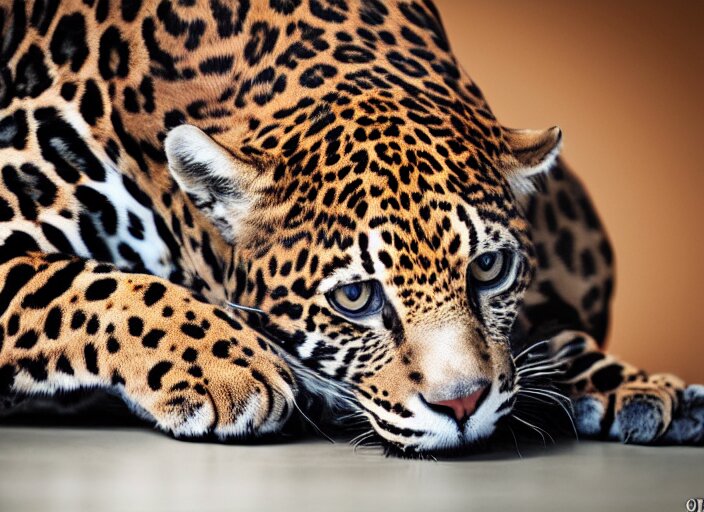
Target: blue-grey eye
<point>486,261</point>
<point>357,299</point>
<point>490,269</point>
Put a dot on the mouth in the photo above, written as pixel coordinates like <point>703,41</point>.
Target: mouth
<point>438,429</point>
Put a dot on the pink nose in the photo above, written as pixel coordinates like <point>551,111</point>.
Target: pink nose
<point>465,406</point>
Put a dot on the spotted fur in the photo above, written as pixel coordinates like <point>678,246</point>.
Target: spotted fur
<point>183,182</point>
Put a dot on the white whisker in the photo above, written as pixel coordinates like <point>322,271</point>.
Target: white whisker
<point>540,431</point>
<point>245,308</point>
<point>530,348</point>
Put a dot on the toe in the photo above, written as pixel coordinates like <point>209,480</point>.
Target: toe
<point>639,420</point>
<point>588,413</point>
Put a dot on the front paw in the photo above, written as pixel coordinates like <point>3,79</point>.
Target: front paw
<point>687,425</point>
<point>226,389</point>
<point>637,412</point>
<point>644,409</point>
<point>640,419</point>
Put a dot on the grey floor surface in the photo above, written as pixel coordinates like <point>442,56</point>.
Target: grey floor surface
<point>133,469</point>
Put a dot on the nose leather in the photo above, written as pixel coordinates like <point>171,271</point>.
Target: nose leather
<point>464,407</point>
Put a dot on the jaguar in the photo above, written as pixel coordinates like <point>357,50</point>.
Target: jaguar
<point>233,213</point>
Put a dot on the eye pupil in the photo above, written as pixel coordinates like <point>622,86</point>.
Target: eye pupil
<point>486,261</point>
<point>353,291</point>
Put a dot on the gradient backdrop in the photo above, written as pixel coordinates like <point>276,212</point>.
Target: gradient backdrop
<point>624,81</point>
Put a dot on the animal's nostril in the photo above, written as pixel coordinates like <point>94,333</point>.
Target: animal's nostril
<point>462,407</point>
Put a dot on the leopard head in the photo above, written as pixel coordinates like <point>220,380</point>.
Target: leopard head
<point>392,265</point>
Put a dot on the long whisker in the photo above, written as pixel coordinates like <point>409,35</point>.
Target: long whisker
<point>554,394</point>
<point>539,430</point>
<point>316,427</point>
<point>246,308</point>
<point>529,349</point>
<point>529,376</point>
<point>542,363</point>
<point>557,398</point>
<point>515,441</point>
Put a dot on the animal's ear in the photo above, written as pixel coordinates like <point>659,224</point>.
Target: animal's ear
<point>534,152</point>
<point>222,186</point>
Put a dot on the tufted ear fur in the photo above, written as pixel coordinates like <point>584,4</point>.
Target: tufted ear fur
<point>534,152</point>
<point>221,185</point>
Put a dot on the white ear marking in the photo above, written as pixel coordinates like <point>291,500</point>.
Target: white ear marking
<point>216,181</point>
<point>535,152</point>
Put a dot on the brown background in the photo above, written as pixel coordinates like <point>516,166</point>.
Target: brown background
<point>624,80</point>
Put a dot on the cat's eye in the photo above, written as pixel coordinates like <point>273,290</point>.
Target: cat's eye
<point>490,270</point>
<point>357,299</point>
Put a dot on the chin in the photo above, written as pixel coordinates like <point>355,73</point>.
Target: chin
<point>428,433</point>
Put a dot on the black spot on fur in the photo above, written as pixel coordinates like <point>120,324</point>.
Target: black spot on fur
<point>101,289</point>
<point>43,14</point>
<point>583,363</point>
<point>284,6</point>
<point>68,44</point>
<point>189,355</point>
<point>152,338</point>
<point>112,345</point>
<point>91,103</point>
<point>221,349</point>
<point>57,284</point>
<point>35,367</point>
<point>27,340</point>
<point>564,203</point>
<point>156,373</point>
<point>91,356</point>
<point>52,325</point>
<point>329,11</point>
<point>316,75</point>
<point>78,319</point>
<point>352,54</point>
<point>229,23</point>
<point>261,42</point>
<point>16,278</point>
<point>68,91</point>
<point>93,325</point>
<point>6,212</point>
<point>564,248</point>
<point>218,65</point>
<point>193,330</point>
<point>129,9</point>
<point>114,54</point>
<point>608,378</point>
<point>13,325</point>
<point>117,379</point>
<point>135,326</point>
<point>32,76</point>
<point>17,244</point>
<point>14,130</point>
<point>154,294</point>
<point>195,371</point>
<point>63,147</point>
<point>97,203</point>
<point>227,319</point>
<point>63,365</point>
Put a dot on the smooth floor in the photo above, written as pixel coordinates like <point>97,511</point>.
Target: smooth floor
<point>96,468</point>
